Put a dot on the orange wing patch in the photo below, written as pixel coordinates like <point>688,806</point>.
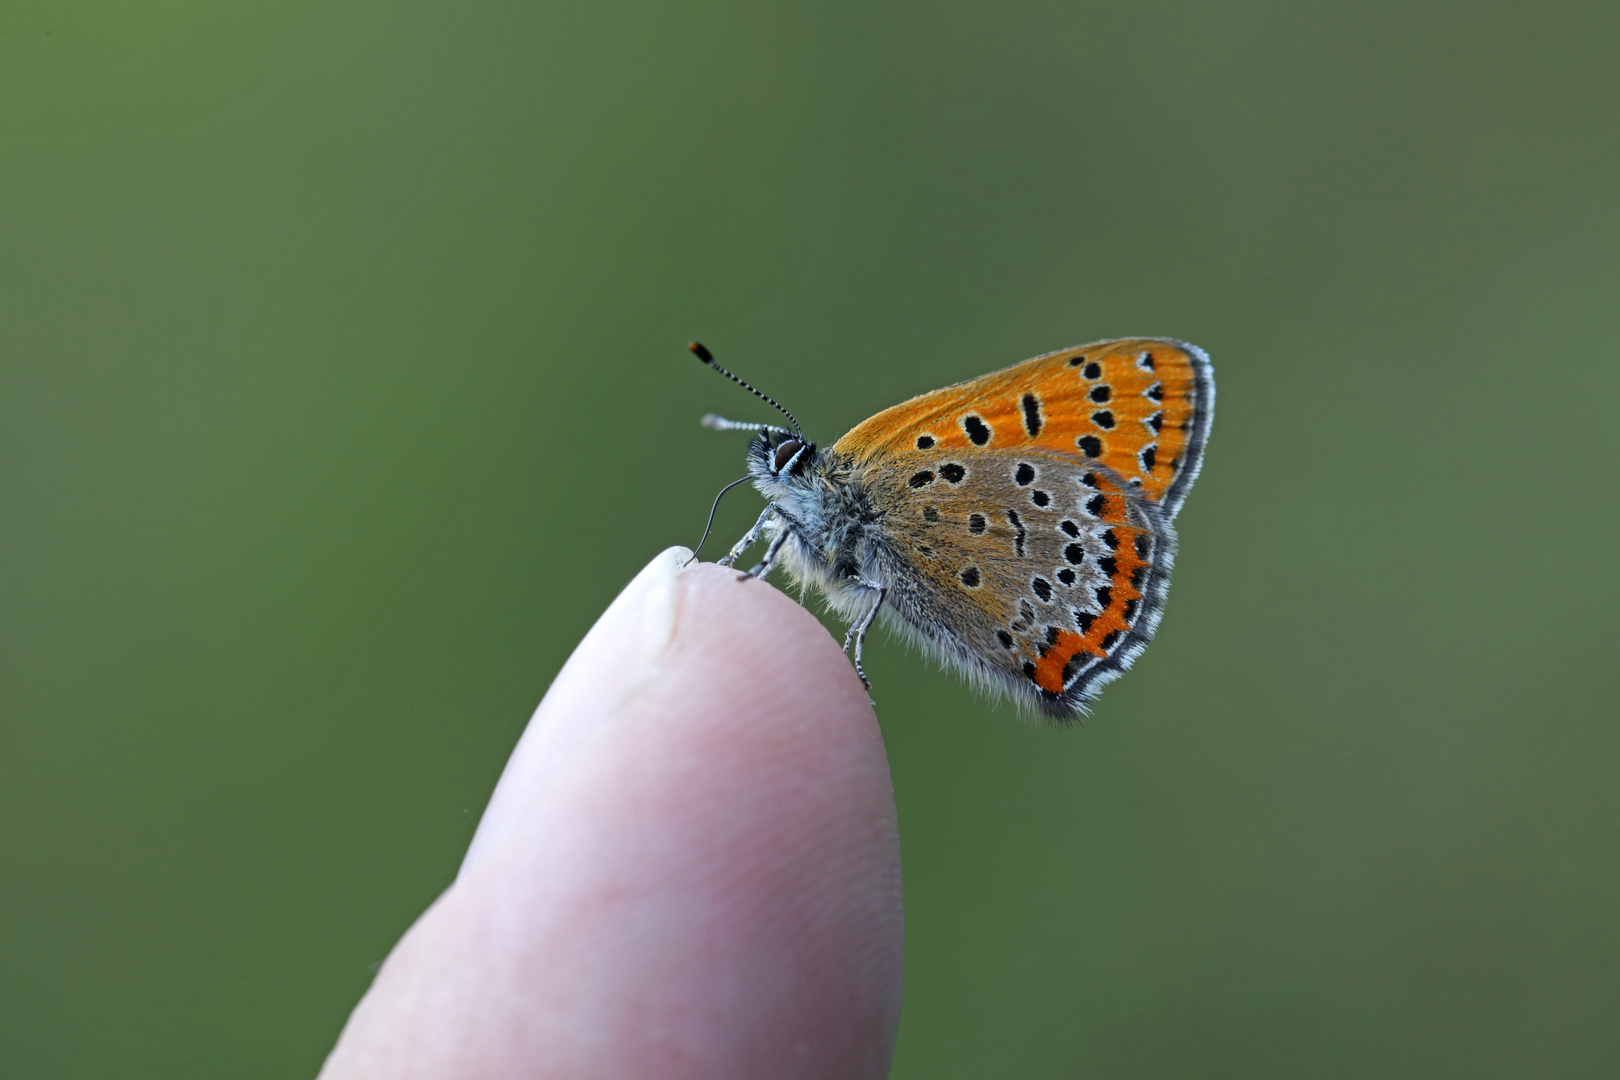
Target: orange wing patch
<point>1121,602</point>
<point>1140,406</point>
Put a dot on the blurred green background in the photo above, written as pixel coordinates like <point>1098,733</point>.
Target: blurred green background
<point>342,384</point>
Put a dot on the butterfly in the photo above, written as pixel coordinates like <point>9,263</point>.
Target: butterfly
<point>1017,527</point>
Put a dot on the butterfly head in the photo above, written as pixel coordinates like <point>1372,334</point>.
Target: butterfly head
<point>780,460</point>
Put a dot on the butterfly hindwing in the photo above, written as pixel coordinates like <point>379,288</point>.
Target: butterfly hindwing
<point>1044,571</point>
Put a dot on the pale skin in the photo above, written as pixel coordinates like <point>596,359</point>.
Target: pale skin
<point>689,868</point>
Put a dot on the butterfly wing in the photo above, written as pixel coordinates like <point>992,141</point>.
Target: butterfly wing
<point>1042,573</point>
<point>1140,406</point>
<point>1027,514</point>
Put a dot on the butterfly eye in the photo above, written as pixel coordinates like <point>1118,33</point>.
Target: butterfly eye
<point>784,454</point>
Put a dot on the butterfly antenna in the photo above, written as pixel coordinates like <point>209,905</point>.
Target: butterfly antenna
<point>707,357</point>
<point>710,526</point>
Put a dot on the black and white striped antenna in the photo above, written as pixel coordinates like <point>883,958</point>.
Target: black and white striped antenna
<point>707,357</point>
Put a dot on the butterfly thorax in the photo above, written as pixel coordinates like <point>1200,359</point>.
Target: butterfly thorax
<point>831,515</point>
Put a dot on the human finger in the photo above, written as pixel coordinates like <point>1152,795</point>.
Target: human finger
<point>688,869</point>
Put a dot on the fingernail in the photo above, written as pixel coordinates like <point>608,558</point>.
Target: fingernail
<point>622,653</point>
<point>641,621</point>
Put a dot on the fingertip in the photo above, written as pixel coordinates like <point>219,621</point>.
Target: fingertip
<point>690,867</point>
<point>776,792</point>
<point>759,641</point>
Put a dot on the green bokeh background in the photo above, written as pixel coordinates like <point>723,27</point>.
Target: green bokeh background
<point>342,384</point>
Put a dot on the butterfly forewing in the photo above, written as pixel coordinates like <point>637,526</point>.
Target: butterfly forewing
<point>1140,406</point>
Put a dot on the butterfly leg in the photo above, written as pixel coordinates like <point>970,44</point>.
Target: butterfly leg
<point>750,539</point>
<point>769,561</point>
<point>857,633</point>
<point>860,624</point>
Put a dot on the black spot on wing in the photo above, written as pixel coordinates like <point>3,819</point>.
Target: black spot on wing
<point>1076,662</point>
<point>1032,414</point>
<point>1101,393</point>
<point>1005,639</point>
<point>970,577</point>
<point>976,524</point>
<point>1043,589</point>
<point>1103,419</point>
<point>977,432</point>
<point>921,479</point>
<point>1091,446</point>
<point>1039,498</point>
<point>1024,474</point>
<point>925,442</point>
<point>952,472</point>
<point>1026,615</point>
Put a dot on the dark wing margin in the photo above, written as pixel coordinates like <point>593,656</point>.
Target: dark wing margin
<point>1090,673</point>
<point>1203,414</point>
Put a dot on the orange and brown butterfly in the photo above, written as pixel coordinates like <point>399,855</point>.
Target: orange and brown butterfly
<point>1016,526</point>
